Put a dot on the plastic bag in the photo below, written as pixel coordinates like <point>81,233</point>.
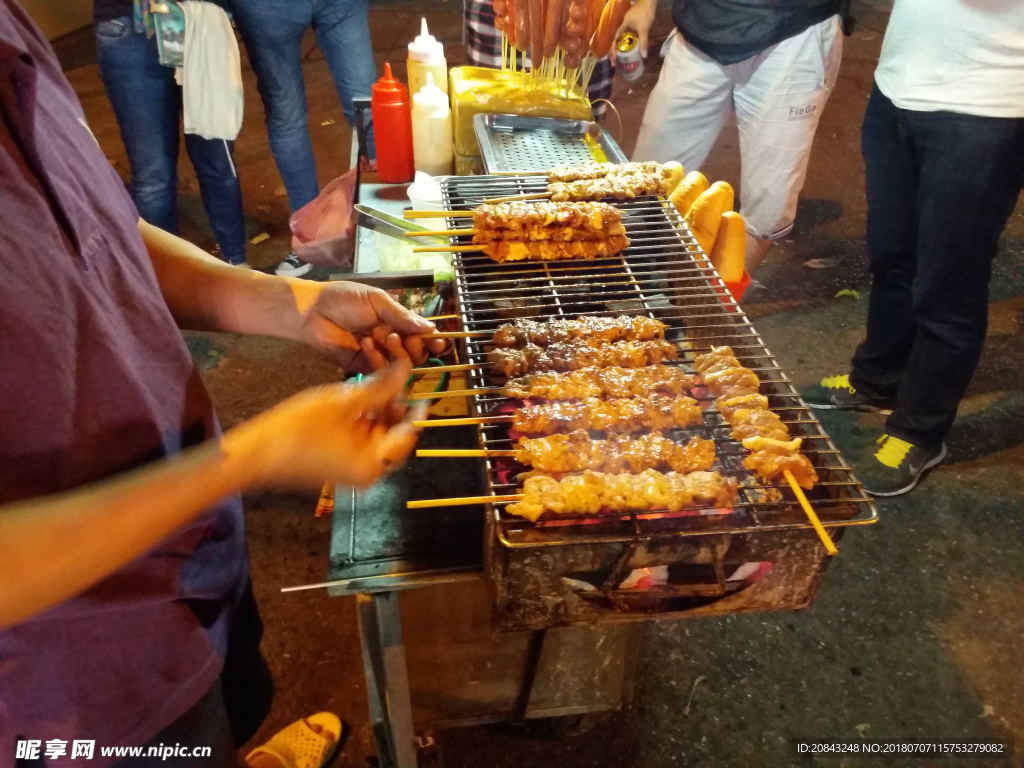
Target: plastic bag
<point>323,230</point>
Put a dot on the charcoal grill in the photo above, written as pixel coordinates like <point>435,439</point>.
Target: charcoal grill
<point>663,274</point>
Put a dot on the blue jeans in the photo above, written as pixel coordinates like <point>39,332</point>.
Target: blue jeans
<point>147,104</point>
<point>272,31</point>
<point>940,188</point>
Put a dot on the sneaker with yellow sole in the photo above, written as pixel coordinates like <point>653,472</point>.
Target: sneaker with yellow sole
<point>836,393</point>
<point>897,466</point>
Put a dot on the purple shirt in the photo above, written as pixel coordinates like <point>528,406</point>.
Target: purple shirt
<point>95,379</point>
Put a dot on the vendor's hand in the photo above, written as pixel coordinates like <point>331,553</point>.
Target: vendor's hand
<point>361,328</point>
<point>639,19</point>
<point>342,433</point>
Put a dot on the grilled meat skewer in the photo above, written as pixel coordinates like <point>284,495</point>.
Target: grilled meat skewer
<point>560,454</point>
<point>601,382</point>
<point>581,353</point>
<point>627,414</point>
<point>607,329</point>
<point>591,492</point>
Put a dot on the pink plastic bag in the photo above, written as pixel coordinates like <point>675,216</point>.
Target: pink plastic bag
<point>323,230</point>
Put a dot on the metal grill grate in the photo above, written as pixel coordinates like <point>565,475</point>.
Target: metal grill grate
<point>665,275</point>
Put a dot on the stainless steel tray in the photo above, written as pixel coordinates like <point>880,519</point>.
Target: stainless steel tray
<point>515,143</point>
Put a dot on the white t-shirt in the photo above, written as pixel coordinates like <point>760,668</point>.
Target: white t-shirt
<point>955,55</point>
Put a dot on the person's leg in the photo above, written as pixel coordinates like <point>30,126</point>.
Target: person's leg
<point>221,193</point>
<point>778,105</point>
<point>891,173</point>
<point>146,103</point>
<point>972,169</point>
<point>204,725</point>
<point>343,33</point>
<point>272,31</point>
<point>686,110</point>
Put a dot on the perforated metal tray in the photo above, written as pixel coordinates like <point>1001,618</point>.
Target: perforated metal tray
<point>515,143</point>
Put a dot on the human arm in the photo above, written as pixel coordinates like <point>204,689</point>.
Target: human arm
<point>54,547</point>
<point>638,18</point>
<point>359,327</point>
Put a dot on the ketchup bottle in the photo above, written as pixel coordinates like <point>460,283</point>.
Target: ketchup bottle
<point>392,129</point>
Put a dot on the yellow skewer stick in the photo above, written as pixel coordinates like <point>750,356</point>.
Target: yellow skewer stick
<point>464,422</point>
<point>460,501</point>
<point>513,198</point>
<point>446,248</point>
<point>826,540</point>
<point>454,393</point>
<point>435,214</point>
<point>441,233</point>
<point>460,453</point>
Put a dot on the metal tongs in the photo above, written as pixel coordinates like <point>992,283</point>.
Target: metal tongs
<point>392,226</point>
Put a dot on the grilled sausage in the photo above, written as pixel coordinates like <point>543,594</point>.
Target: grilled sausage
<point>553,26</point>
<point>522,15</point>
<point>611,18</point>
<point>594,10</point>
<point>536,33</point>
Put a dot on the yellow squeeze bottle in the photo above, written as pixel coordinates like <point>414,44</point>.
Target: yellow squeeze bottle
<point>426,54</point>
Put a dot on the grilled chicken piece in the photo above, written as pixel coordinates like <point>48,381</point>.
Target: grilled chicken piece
<point>769,457</point>
<point>588,250</point>
<point>523,216</point>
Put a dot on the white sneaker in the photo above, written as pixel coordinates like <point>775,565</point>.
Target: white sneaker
<point>292,266</point>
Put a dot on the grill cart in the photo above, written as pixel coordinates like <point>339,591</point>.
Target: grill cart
<point>470,614</point>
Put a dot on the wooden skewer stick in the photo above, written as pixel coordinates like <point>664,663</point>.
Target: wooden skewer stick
<point>826,540</point>
<point>454,393</point>
<point>441,233</point>
<point>436,214</point>
<point>444,317</point>
<point>461,422</point>
<point>453,335</point>
<point>461,501</point>
<point>446,249</point>
<point>519,173</point>
<point>446,368</point>
<point>460,453</point>
<point>513,198</point>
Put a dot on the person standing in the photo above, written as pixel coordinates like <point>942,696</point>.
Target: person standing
<point>272,31</point>
<point>943,146</point>
<point>126,611</point>
<point>147,103</point>
<point>771,62</point>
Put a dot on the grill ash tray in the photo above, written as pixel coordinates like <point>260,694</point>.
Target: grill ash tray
<point>374,534</point>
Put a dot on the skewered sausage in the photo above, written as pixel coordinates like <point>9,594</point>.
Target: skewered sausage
<point>552,26</point>
<point>611,18</point>
<point>536,33</point>
<point>522,19</point>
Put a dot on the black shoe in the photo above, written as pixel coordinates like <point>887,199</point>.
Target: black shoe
<point>836,393</point>
<point>896,466</point>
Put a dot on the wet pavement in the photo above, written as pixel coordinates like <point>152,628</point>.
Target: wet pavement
<point>918,630</point>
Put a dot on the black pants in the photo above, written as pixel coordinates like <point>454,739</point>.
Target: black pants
<point>940,188</point>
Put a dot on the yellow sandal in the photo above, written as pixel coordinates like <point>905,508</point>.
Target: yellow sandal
<point>299,746</point>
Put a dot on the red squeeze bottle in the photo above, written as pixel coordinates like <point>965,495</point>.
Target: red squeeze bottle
<point>392,129</point>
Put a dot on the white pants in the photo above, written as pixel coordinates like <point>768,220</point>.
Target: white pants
<point>777,95</point>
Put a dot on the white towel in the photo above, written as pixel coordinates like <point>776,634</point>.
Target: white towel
<point>211,77</point>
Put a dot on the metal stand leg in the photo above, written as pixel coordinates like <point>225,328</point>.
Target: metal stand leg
<point>387,681</point>
<point>533,652</point>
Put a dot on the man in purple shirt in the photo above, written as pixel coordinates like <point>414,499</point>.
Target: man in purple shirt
<point>122,554</point>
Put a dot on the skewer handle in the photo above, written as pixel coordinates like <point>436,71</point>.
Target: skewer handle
<point>441,233</point>
<point>453,393</point>
<point>446,249</point>
<point>453,335</point>
<point>826,540</point>
<point>519,173</point>
<point>435,214</point>
<point>446,368</point>
<point>469,420</point>
<point>460,501</point>
<point>460,453</point>
<point>513,198</point>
